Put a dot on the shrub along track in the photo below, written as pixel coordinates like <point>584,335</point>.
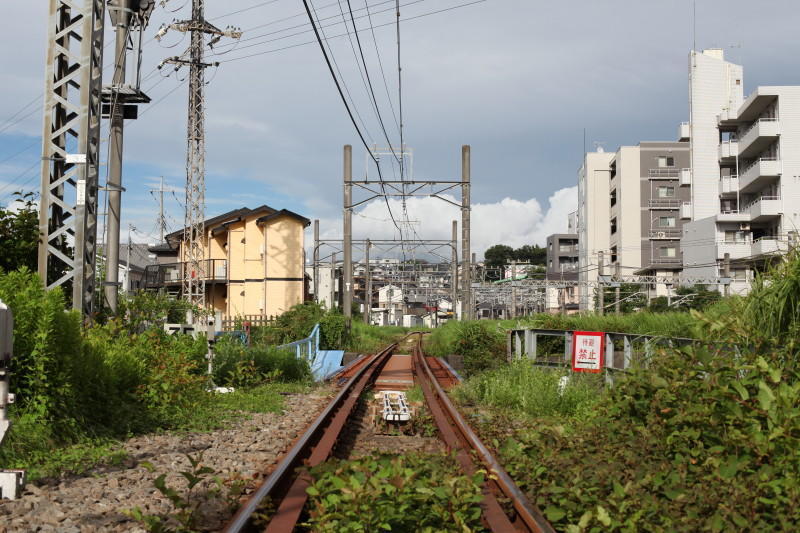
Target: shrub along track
<point>286,487</point>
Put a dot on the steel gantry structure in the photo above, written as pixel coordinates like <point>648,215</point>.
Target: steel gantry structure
<point>380,188</point>
<point>71,148</point>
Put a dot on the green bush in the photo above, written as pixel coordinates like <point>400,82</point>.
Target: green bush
<point>238,365</point>
<point>482,344</point>
<point>415,492</point>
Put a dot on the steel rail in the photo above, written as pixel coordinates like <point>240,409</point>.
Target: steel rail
<point>459,437</point>
<point>312,448</point>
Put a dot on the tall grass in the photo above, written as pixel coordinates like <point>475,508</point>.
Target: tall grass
<point>521,387</point>
<point>675,324</point>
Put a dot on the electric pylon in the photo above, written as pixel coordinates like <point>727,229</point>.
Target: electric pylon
<point>193,248</point>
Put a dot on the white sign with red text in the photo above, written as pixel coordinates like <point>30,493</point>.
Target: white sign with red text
<point>587,351</point>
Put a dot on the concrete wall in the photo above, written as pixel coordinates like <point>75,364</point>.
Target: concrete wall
<point>593,217</point>
<point>715,85</point>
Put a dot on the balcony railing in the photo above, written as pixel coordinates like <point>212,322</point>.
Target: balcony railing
<point>156,276</point>
<point>729,184</point>
<point>663,173</point>
<point>664,203</point>
<point>758,136</point>
<point>665,233</point>
<point>759,172</point>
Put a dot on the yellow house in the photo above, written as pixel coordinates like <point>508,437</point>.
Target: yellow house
<point>253,262</point>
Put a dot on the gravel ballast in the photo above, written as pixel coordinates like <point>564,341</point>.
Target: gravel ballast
<point>246,450</point>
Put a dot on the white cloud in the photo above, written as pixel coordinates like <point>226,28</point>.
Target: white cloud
<point>509,221</point>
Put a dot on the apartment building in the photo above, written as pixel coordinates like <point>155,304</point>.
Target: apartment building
<point>562,256</point>
<point>746,163</point>
<point>253,262</point>
<point>593,214</point>
<point>758,189</point>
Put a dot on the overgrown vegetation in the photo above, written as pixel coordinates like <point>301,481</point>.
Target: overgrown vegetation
<point>481,343</point>
<point>702,439</point>
<point>414,492</point>
<point>79,389</point>
<point>525,389</point>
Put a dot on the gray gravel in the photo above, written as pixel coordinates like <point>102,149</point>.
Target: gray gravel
<point>94,502</point>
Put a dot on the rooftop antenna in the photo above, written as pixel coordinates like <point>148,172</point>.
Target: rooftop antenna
<point>694,25</point>
<point>598,146</point>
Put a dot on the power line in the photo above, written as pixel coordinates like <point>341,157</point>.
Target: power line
<point>347,107</point>
<point>366,70</point>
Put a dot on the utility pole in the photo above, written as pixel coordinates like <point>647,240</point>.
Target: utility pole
<point>333,281</point>
<point>128,262</point>
<point>193,288</point>
<point>454,267</point>
<point>315,259</point>
<point>120,100</point>
<point>466,266</point>
<point>600,284</point>
<point>162,220</point>
<point>513,313</point>
<point>367,285</point>
<point>726,273</point>
<point>347,301</point>
<point>616,289</point>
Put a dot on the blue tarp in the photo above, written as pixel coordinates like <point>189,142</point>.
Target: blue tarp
<point>326,362</point>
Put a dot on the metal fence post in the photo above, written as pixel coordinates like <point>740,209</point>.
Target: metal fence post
<point>628,352</point>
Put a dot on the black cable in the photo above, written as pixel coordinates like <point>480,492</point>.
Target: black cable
<point>380,62</point>
<point>349,112</point>
<point>366,73</point>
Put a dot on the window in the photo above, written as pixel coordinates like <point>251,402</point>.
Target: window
<point>732,236</point>
<point>613,226</point>
<point>670,251</point>
<point>666,222</point>
<point>666,161</point>
<point>614,254</point>
<point>614,197</point>
<point>666,192</point>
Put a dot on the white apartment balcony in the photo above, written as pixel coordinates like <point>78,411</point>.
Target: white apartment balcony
<point>684,132</point>
<point>764,208</point>
<point>733,216</point>
<point>728,150</point>
<point>769,245</point>
<point>759,173</point>
<point>686,210</point>
<point>665,234</point>
<point>758,136</point>
<point>686,176</point>
<point>728,185</point>
<point>737,250</point>
<point>727,115</point>
<point>664,203</point>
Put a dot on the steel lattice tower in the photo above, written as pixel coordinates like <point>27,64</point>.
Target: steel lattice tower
<point>71,149</point>
<point>194,274</point>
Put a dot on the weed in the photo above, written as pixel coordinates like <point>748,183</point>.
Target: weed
<point>415,492</point>
<point>201,492</point>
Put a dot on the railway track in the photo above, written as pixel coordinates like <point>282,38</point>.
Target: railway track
<point>285,488</point>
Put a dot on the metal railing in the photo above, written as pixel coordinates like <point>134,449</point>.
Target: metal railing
<point>665,234</point>
<point>664,203</point>
<point>660,173</point>
<point>156,276</point>
<point>246,321</point>
<point>622,350</point>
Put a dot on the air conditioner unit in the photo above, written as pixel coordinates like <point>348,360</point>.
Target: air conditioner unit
<point>744,226</point>
<point>661,234</point>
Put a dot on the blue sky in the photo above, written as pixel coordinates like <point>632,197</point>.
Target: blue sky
<point>519,80</point>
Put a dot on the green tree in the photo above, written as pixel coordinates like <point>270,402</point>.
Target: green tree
<point>533,254</point>
<point>19,234</point>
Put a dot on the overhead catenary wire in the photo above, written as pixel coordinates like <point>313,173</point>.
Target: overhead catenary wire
<point>347,107</point>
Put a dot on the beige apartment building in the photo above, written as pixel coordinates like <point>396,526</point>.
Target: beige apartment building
<point>254,262</point>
